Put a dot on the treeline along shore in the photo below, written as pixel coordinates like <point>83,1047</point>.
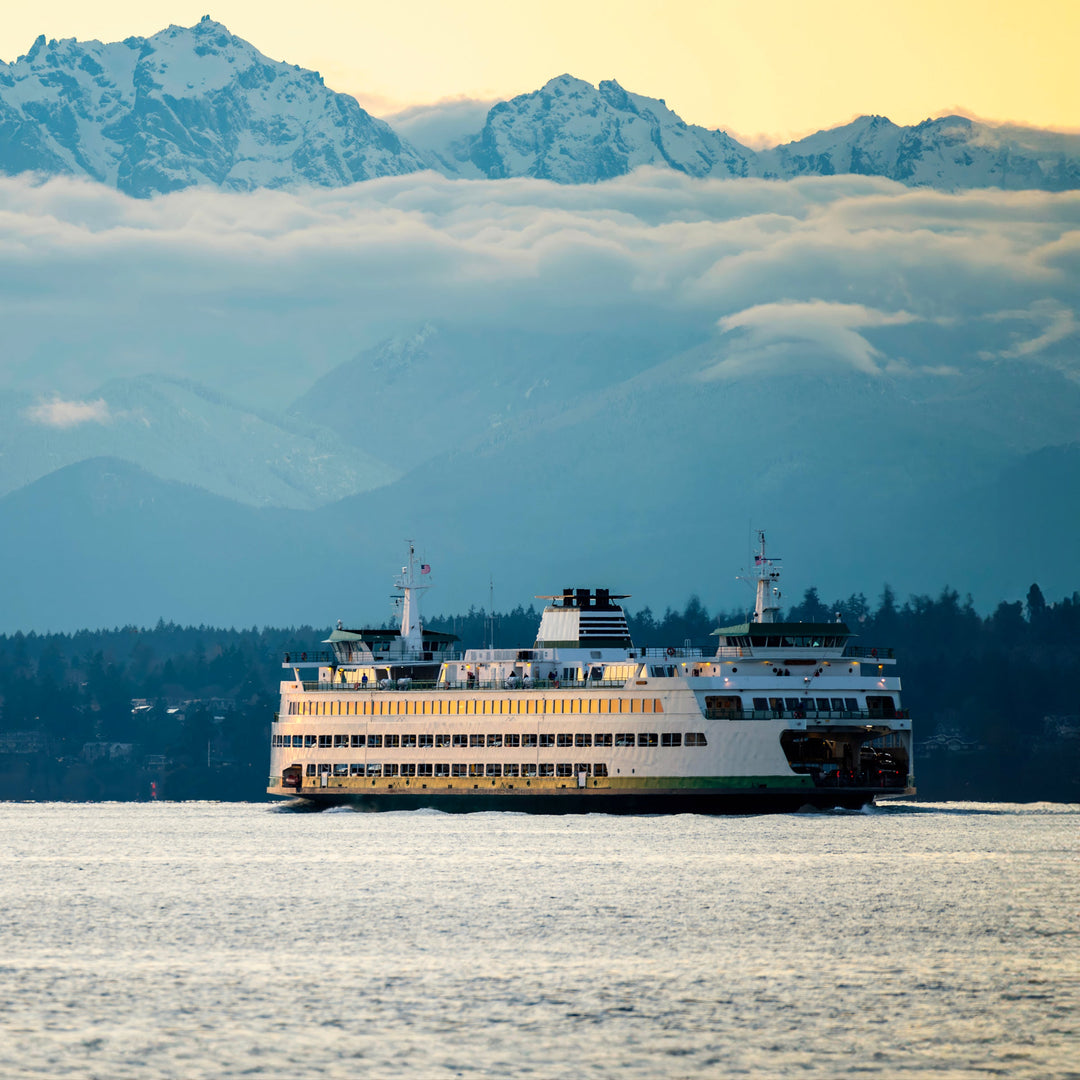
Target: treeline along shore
<point>184,712</point>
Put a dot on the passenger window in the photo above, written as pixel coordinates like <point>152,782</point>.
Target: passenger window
<point>426,740</point>
<point>583,740</point>
<point>647,738</point>
<point>528,769</point>
<point>408,740</point>
<point>624,738</point>
<point>564,768</point>
<point>546,769</point>
<point>374,741</point>
<point>461,740</point>
<point>695,738</point>
<point>391,741</point>
<point>602,739</point>
<point>547,740</point>
<point>671,738</point>
<point>494,770</point>
<point>476,740</point>
<point>565,740</point>
<point>511,740</point>
<point>528,740</point>
<point>494,740</point>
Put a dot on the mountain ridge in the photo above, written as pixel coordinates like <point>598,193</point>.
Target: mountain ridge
<point>199,106</point>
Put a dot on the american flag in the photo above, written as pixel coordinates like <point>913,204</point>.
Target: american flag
<point>425,568</point>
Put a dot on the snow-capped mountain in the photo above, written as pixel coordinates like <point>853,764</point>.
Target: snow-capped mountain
<point>200,106</point>
<point>573,132</point>
<point>948,153</point>
<point>186,106</point>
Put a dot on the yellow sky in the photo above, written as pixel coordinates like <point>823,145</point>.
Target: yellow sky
<point>778,67</point>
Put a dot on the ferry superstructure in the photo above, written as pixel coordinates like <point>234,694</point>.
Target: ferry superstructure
<point>779,716</point>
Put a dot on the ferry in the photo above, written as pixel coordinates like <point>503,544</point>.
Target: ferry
<point>779,716</point>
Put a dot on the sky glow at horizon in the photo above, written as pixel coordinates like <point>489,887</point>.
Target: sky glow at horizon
<point>767,74</point>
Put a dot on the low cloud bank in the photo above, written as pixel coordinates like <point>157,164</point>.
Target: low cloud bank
<point>261,293</point>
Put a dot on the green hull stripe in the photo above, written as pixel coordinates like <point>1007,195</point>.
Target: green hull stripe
<point>727,783</point>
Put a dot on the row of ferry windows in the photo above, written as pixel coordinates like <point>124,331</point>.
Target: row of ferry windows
<point>821,704</point>
<point>474,706</point>
<point>619,738</point>
<point>531,768</point>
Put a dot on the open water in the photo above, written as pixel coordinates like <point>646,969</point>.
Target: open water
<point>213,940</point>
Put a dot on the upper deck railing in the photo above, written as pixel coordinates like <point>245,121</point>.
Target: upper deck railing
<point>674,652</point>
<point>412,685</point>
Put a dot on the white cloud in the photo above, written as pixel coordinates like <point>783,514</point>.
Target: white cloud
<point>58,413</point>
<point>796,336</point>
<point>258,294</point>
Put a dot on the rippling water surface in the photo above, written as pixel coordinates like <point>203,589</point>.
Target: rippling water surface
<point>210,940</point>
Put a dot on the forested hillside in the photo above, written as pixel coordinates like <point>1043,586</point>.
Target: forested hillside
<point>184,712</point>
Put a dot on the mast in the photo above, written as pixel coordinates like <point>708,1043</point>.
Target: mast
<point>412,626</point>
<point>766,579</point>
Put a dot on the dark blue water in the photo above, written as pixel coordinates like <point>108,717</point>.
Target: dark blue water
<point>206,940</point>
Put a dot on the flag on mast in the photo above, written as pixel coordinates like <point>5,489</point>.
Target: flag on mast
<point>425,568</point>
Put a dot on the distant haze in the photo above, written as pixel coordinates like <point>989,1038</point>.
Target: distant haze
<point>254,338</point>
